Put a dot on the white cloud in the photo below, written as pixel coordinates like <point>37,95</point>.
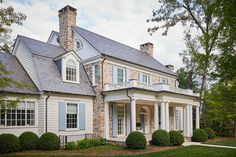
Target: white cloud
<point>120,20</point>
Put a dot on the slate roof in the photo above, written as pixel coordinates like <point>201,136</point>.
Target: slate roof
<point>18,74</point>
<point>48,72</point>
<point>120,51</point>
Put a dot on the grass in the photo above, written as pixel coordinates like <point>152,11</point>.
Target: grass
<point>190,151</point>
<point>226,142</point>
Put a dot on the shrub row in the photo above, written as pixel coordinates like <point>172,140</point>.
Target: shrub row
<point>87,143</point>
<point>28,141</point>
<point>201,135</point>
<point>163,138</point>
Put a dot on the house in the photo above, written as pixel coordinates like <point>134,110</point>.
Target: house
<point>86,83</point>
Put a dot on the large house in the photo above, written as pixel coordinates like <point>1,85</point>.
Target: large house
<point>83,83</point>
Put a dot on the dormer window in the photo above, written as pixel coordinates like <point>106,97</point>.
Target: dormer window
<point>78,45</point>
<point>71,71</point>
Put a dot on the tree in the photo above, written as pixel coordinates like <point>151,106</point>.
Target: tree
<point>194,15</point>
<point>7,18</point>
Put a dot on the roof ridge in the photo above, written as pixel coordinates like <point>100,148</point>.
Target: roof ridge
<point>22,36</point>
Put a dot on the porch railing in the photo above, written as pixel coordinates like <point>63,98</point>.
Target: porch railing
<point>154,87</point>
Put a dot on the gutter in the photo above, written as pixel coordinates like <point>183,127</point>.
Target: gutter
<point>46,112</point>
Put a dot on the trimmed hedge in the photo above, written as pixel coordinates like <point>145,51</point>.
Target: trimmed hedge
<point>176,138</point>
<point>49,141</point>
<point>199,135</point>
<point>161,138</point>
<point>136,140</point>
<point>28,141</point>
<point>9,143</point>
<point>210,133</point>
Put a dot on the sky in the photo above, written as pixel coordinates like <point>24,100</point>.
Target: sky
<point>122,20</point>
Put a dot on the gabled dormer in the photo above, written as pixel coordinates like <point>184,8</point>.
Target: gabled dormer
<point>69,67</point>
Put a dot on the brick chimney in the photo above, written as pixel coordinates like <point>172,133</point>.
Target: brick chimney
<point>67,20</point>
<point>147,48</point>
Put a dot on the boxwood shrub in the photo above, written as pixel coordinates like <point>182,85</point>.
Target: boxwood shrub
<point>9,143</point>
<point>28,141</point>
<point>210,133</point>
<point>176,138</point>
<point>161,138</point>
<point>49,141</point>
<point>199,135</point>
<point>136,140</point>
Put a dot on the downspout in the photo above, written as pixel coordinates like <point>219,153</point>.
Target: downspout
<point>46,112</point>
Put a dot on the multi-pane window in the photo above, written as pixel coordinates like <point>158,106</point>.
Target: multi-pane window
<point>70,71</point>
<point>144,78</point>
<point>23,115</point>
<point>72,115</point>
<point>120,119</point>
<point>120,75</point>
<point>164,80</point>
<point>96,74</point>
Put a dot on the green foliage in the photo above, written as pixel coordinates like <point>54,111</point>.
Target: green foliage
<point>210,133</point>
<point>161,138</point>
<point>9,143</point>
<point>8,18</point>
<point>136,140</point>
<point>176,138</point>
<point>71,145</point>
<point>199,135</point>
<point>87,143</point>
<point>28,141</point>
<point>49,141</point>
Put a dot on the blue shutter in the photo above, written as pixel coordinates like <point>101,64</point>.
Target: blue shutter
<point>82,116</point>
<point>114,121</point>
<point>127,75</point>
<point>128,118</point>
<point>114,74</point>
<point>62,116</point>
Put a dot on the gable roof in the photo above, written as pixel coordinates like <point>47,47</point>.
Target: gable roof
<point>43,56</point>
<point>18,74</point>
<point>120,51</point>
<point>40,48</point>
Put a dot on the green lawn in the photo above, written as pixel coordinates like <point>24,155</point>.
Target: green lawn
<point>227,142</point>
<point>190,151</point>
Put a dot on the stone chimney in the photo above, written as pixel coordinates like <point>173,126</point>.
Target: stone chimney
<point>169,66</point>
<point>147,48</point>
<point>67,20</point>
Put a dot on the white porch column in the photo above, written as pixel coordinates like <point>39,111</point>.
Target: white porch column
<point>156,116</point>
<point>188,121</point>
<point>191,119</point>
<point>185,123</point>
<point>167,117</point>
<point>133,115</point>
<point>197,117</point>
<point>163,115</point>
<point>106,115</point>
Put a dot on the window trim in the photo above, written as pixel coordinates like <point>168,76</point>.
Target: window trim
<point>94,78</point>
<point>77,103</point>
<point>22,126</point>
<point>163,78</point>
<point>117,74</point>
<point>64,62</point>
<point>72,69</point>
<point>124,120</point>
<point>75,45</point>
<point>141,77</point>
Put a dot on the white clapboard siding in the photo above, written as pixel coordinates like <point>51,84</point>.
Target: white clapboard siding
<point>41,114</point>
<point>24,56</point>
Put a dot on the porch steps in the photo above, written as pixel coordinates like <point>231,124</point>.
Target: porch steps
<point>187,139</point>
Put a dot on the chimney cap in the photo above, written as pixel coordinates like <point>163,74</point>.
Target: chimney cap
<point>67,7</point>
<point>146,44</point>
<point>169,66</point>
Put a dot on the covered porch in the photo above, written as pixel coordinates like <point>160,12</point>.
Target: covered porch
<point>132,109</point>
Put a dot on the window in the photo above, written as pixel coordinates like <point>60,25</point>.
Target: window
<point>144,78</point>
<point>72,115</point>
<point>120,75</point>
<point>23,115</point>
<point>70,71</point>
<point>77,44</point>
<point>121,119</point>
<point>96,74</point>
<point>164,80</point>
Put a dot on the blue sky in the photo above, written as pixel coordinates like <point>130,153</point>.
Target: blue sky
<point>120,20</point>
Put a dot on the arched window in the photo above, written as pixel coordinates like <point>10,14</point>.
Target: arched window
<point>77,44</point>
<point>71,71</point>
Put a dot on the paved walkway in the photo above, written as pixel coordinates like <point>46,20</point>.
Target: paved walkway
<point>207,145</point>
